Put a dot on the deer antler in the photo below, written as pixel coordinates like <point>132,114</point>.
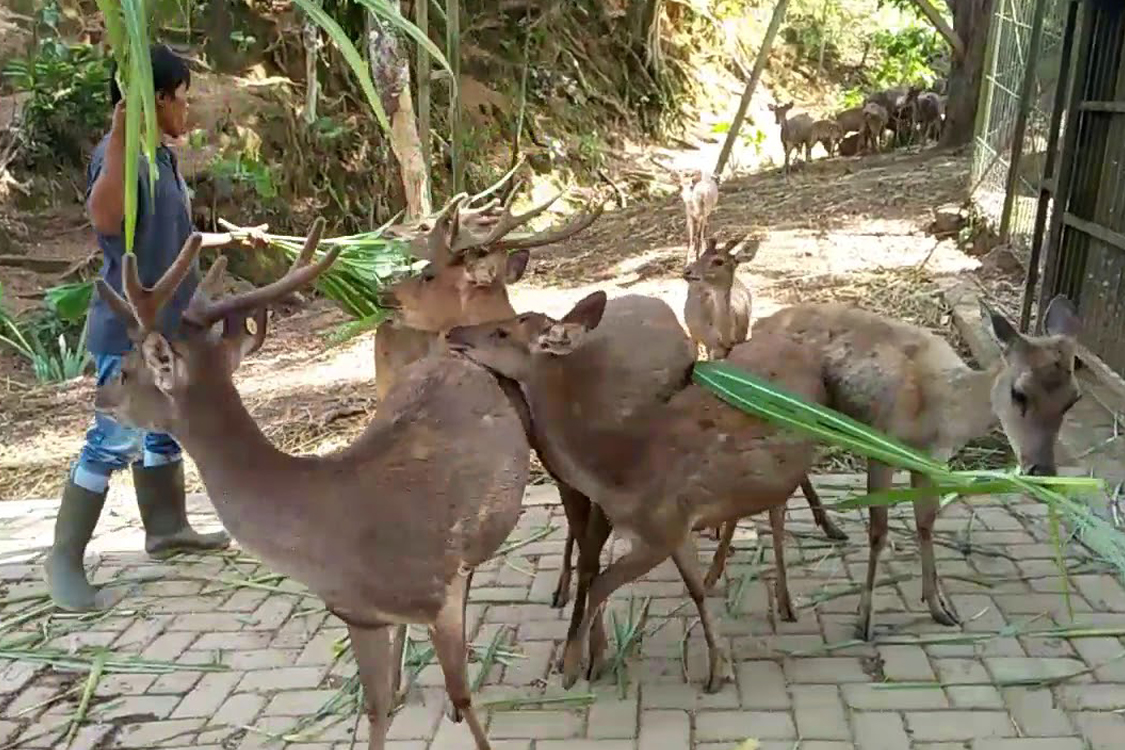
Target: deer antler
<point>588,216</point>
<point>205,312</point>
<point>143,305</point>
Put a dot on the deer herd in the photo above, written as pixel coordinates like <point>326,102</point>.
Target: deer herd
<point>389,530</point>
<point>908,114</point>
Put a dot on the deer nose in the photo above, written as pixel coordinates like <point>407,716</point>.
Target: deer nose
<point>387,300</point>
<point>1042,470</point>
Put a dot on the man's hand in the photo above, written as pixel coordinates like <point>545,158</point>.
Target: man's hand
<point>256,237</point>
<point>117,129</point>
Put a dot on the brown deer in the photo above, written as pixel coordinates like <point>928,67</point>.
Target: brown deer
<point>465,283</point>
<point>717,313</point>
<point>700,194</point>
<point>828,133</point>
<point>687,462</point>
<point>931,113</point>
<point>875,122</point>
<point>386,531</point>
<point>910,383</point>
<point>796,131</point>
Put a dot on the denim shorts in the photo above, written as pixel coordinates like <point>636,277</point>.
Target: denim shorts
<point>111,445</point>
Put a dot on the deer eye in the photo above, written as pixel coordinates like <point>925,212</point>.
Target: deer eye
<point>500,333</point>
<point>1019,398</point>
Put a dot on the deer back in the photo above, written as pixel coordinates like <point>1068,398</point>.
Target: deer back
<point>851,120</point>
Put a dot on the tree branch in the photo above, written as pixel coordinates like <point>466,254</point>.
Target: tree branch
<point>933,15</point>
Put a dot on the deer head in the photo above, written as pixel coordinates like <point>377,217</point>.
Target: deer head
<point>508,347</point>
<point>715,267</point>
<point>1036,386</point>
<point>147,391</point>
<point>471,260</point>
<point>780,112</point>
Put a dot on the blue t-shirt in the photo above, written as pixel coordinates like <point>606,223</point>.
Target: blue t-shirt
<point>162,229</point>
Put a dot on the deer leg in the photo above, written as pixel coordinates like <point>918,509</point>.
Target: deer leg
<point>878,478</point>
<point>831,530</point>
<point>590,543</point>
<point>638,561</point>
<point>577,509</point>
<point>375,662</point>
<point>781,585</point>
<point>687,562</point>
<point>448,635</point>
<point>719,561</point>
<point>925,513</point>
<point>690,238</point>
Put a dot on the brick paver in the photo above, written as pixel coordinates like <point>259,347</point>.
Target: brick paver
<point>992,684</point>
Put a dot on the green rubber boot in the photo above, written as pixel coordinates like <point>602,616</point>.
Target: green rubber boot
<point>74,525</point>
<point>162,503</point>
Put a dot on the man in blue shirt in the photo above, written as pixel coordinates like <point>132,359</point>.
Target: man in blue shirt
<point>163,224</point>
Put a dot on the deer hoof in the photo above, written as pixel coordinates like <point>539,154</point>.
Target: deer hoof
<point>834,532</point>
<point>571,664</point>
<point>561,597</point>
<point>719,669</point>
<point>785,610</point>
<point>864,627</point>
<point>942,612</point>
<point>452,712</point>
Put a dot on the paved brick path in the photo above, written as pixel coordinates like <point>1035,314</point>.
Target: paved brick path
<point>797,685</point>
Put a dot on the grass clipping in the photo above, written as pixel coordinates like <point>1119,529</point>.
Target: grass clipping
<point>1061,495</point>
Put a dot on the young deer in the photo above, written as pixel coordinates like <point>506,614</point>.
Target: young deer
<point>691,461</point>
<point>718,313</point>
<point>875,122</point>
<point>827,133</point>
<point>910,383</point>
<point>700,194</point>
<point>931,111</point>
<point>796,131</point>
<point>386,531</point>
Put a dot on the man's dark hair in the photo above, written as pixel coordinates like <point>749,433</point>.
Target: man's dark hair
<point>169,70</point>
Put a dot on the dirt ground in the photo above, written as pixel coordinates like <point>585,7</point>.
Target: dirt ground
<point>851,229</point>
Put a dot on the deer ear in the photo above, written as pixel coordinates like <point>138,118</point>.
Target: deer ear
<point>588,312</point>
<point>1061,318</point>
<point>517,265</point>
<point>748,252</point>
<point>1002,330</point>
<point>160,360</point>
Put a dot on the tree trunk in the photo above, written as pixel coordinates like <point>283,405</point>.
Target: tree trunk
<point>310,35</point>
<point>218,24</point>
<point>390,71</point>
<point>971,22</point>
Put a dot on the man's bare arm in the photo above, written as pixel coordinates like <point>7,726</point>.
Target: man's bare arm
<point>106,205</point>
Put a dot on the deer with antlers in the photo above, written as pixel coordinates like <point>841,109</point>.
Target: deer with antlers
<point>909,382</point>
<point>388,530</point>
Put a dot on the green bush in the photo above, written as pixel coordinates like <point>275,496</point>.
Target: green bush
<point>52,339</point>
<point>68,104</point>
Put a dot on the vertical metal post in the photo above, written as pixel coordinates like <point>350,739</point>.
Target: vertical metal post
<point>422,70</point>
<point>453,54</point>
<point>748,92</point>
<point>1022,112</point>
<point>1045,192</point>
<point>1066,159</point>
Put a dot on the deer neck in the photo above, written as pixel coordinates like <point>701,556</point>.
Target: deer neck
<point>970,415</point>
<point>236,461</point>
<point>485,304</point>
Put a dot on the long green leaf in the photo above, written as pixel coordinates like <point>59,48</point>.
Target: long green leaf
<point>351,55</point>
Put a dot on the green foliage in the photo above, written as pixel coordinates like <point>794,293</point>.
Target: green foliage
<point>55,348</point>
<point>127,27</point>
<point>247,170</point>
<point>68,99</point>
<point>906,57</point>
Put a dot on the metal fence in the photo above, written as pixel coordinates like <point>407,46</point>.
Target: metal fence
<point>1009,50</point>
